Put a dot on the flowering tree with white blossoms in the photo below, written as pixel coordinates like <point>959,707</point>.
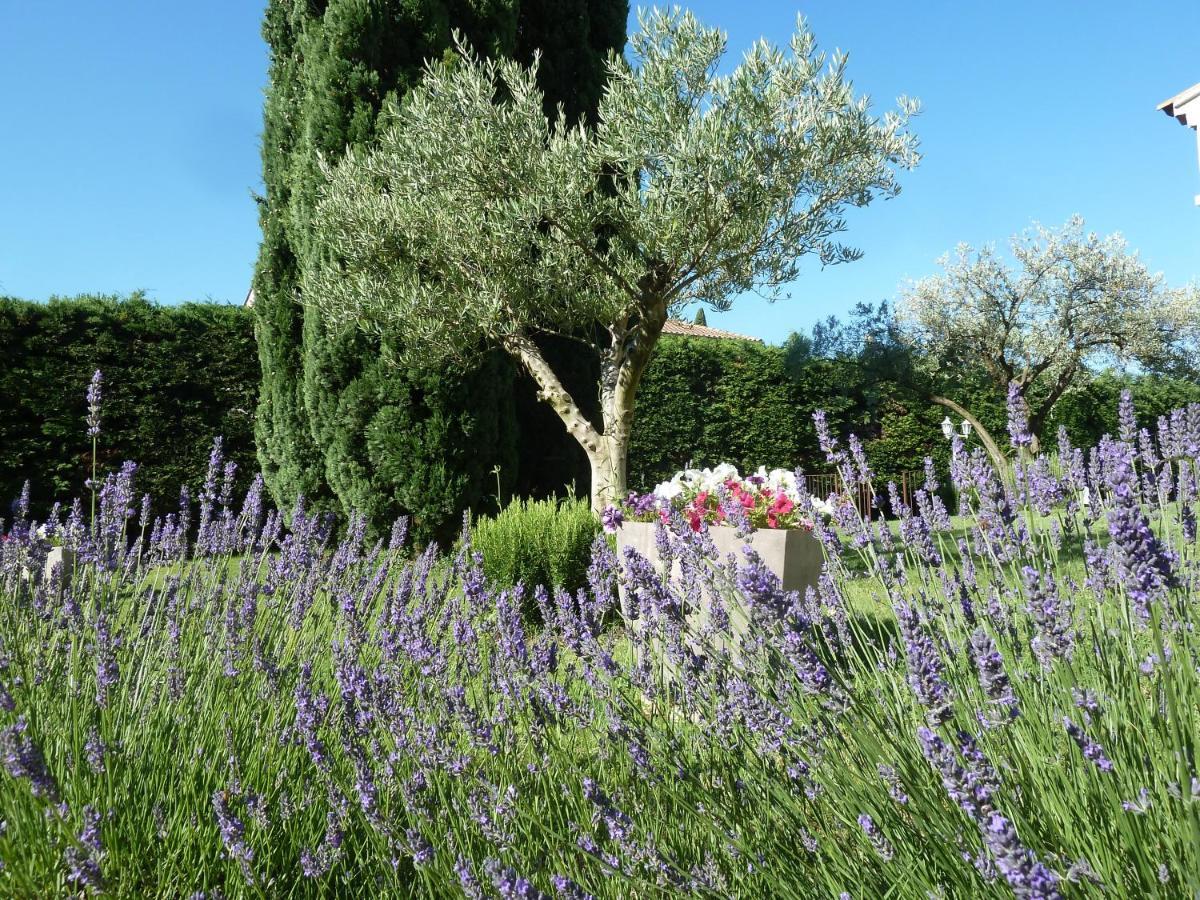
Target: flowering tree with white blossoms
<point>1074,302</point>
<point>691,187</point>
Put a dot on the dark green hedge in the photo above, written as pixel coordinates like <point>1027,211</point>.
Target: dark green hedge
<point>706,401</point>
<point>174,377</point>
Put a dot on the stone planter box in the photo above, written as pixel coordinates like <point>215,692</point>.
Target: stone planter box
<point>794,554</point>
<point>58,556</point>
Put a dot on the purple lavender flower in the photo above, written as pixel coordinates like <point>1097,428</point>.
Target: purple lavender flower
<point>1018,417</point>
<point>93,402</point>
<point>315,864</point>
<point>83,858</point>
<point>1141,805</point>
<point>825,438</point>
<point>568,889</point>
<point>1126,418</point>
<point>107,670</point>
<point>992,677</point>
<point>924,667</point>
<point>22,758</point>
<point>892,780</point>
<point>94,751</point>
<point>418,847</point>
<point>1144,565</point>
<point>20,510</point>
<point>612,518</point>
<point>1054,637</point>
<point>861,467</point>
<point>310,714</point>
<point>467,880</point>
<point>875,836</point>
<point>509,885</point>
<point>1090,749</point>
<point>1025,874</point>
<point>233,833</point>
<point>971,786</point>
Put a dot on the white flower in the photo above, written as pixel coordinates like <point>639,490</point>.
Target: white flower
<point>724,472</point>
<point>668,490</point>
<point>824,507</point>
<point>781,480</point>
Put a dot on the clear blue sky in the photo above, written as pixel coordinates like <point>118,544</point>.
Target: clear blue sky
<point>129,139</point>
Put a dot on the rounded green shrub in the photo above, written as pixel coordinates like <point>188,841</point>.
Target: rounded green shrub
<point>534,542</point>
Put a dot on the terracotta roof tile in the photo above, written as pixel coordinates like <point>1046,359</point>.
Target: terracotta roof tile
<point>687,329</point>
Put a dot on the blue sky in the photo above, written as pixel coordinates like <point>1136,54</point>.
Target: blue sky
<point>129,139</point>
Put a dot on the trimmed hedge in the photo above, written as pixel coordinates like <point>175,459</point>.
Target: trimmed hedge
<point>174,377</point>
<point>707,401</point>
<point>177,376</point>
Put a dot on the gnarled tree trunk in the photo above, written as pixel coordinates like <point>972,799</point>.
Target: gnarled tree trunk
<point>999,460</point>
<point>621,367</point>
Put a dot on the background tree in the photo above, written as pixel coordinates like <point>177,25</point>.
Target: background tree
<point>481,221</point>
<point>701,318</point>
<point>334,410</point>
<point>1073,303</point>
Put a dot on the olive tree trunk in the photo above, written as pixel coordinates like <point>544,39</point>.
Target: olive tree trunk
<point>621,368</point>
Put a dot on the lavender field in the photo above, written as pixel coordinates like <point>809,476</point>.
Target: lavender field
<point>1003,702</point>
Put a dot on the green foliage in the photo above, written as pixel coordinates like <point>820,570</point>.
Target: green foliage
<point>174,377</point>
<point>546,542</point>
<point>1091,412</point>
<point>707,401</point>
<point>471,221</point>
<point>334,411</point>
<point>419,442</point>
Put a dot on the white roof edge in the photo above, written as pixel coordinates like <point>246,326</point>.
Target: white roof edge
<point>1173,106</point>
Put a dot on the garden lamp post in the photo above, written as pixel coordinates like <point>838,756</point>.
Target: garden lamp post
<point>948,429</point>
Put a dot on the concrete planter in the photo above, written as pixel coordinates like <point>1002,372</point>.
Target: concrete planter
<point>793,554</point>
<point>59,556</point>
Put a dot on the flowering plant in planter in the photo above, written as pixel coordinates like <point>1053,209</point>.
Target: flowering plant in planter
<point>719,496</point>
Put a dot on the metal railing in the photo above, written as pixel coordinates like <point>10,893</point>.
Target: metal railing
<point>907,483</point>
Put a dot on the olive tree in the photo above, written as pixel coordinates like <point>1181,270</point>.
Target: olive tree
<point>1072,303</point>
<point>478,221</point>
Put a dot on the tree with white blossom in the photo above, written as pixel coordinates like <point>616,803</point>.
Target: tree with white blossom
<point>1074,302</point>
<point>691,188</point>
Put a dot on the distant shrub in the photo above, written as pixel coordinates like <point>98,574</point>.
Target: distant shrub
<point>537,542</point>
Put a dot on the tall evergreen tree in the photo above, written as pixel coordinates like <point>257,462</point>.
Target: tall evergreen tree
<point>287,454</point>
<point>336,413</point>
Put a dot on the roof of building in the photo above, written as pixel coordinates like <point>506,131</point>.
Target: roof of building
<point>1184,106</point>
<point>249,301</point>
<point>687,329</point>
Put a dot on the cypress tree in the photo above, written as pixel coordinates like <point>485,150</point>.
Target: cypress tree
<point>700,319</point>
<point>288,457</point>
<point>338,421</point>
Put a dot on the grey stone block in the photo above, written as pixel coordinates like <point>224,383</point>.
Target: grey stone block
<point>794,555</point>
